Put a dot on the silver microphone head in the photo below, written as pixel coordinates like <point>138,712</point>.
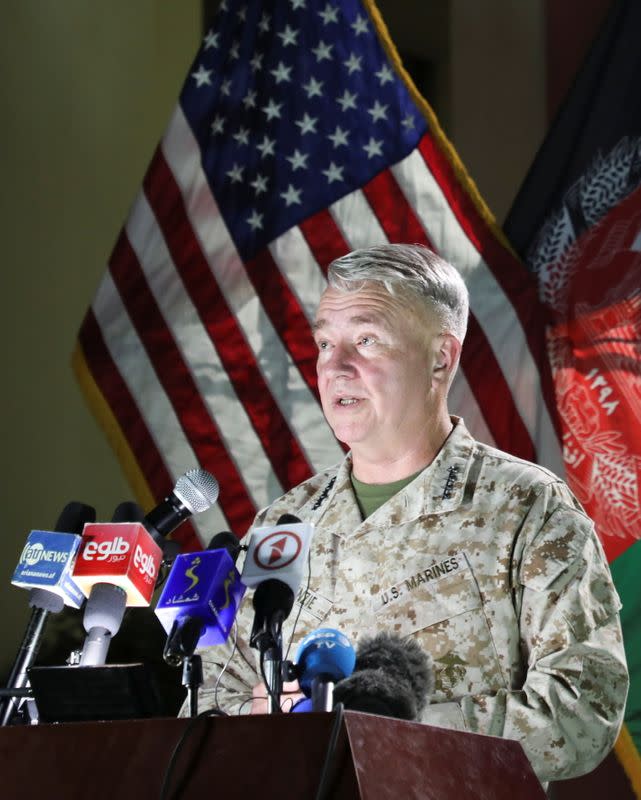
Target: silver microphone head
<point>197,490</point>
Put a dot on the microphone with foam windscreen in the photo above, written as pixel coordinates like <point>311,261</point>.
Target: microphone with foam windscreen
<point>274,565</point>
<point>393,677</point>
<point>45,567</point>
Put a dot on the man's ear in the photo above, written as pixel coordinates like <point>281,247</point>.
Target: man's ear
<point>447,358</point>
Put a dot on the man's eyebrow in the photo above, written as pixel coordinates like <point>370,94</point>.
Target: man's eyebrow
<point>358,319</point>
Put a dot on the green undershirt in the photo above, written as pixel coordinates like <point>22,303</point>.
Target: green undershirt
<point>371,496</point>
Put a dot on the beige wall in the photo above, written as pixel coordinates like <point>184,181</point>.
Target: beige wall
<point>85,93</point>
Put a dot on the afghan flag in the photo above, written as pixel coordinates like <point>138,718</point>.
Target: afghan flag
<point>577,224</point>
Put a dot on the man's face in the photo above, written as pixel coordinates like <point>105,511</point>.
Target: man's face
<point>376,355</point>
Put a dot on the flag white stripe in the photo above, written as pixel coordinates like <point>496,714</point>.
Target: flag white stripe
<point>357,222</point>
<point>488,302</point>
<point>300,269</point>
<point>130,357</point>
<point>295,400</point>
<point>462,402</point>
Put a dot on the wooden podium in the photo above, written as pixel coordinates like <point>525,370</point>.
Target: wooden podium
<point>279,756</point>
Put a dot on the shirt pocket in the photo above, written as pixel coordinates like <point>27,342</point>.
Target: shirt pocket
<point>441,606</point>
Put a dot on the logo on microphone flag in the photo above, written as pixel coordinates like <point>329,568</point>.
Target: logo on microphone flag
<point>46,562</point>
<point>205,586</point>
<point>277,551</point>
<point>120,553</point>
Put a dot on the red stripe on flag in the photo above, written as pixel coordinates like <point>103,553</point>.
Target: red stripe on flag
<point>513,277</point>
<point>280,445</point>
<point>395,215</point>
<point>179,384</point>
<point>285,314</point>
<point>482,371</point>
<point>324,238</point>
<point>123,406</point>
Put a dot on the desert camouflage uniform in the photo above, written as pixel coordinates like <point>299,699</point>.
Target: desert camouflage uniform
<point>492,565</point>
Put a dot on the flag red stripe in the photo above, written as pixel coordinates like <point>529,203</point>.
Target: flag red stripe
<point>285,314</point>
<point>517,284</point>
<point>484,376</point>
<point>178,383</point>
<point>123,406</point>
<point>395,215</point>
<point>280,445</point>
<point>324,238</point>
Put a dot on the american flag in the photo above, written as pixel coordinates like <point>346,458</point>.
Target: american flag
<point>297,138</point>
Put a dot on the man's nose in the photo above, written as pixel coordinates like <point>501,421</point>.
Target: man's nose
<point>341,360</point>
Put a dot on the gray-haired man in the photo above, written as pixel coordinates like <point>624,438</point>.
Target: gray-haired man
<point>488,561</point>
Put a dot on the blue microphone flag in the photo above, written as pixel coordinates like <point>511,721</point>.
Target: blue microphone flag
<point>46,562</point>
<point>205,586</point>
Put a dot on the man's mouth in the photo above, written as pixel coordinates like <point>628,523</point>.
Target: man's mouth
<point>347,401</point>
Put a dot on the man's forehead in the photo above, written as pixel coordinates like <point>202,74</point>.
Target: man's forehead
<point>371,305</point>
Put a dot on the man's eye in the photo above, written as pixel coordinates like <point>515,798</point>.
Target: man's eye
<point>367,340</point>
<point>322,345</point>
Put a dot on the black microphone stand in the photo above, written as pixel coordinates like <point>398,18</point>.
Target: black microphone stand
<point>180,650</point>
<point>26,656</point>
<point>192,681</point>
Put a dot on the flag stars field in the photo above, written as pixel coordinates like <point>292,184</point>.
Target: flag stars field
<point>278,128</point>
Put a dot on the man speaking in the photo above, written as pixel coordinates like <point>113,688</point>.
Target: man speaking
<point>486,560</point>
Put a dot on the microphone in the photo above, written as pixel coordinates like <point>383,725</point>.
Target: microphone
<point>324,657</point>
<point>200,600</point>
<point>393,677</point>
<point>194,492</point>
<point>45,567</point>
<point>274,565</point>
<point>47,559</point>
<point>117,565</point>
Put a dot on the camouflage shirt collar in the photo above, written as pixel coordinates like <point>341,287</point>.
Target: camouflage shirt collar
<point>437,489</point>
